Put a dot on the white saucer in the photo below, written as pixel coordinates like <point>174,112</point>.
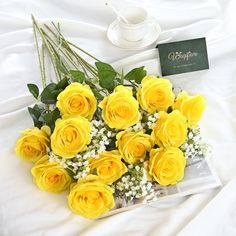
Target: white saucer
<point>151,36</point>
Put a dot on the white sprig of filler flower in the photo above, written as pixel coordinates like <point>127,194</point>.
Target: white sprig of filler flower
<point>147,122</point>
<point>134,184</point>
<point>194,145</point>
<point>152,120</point>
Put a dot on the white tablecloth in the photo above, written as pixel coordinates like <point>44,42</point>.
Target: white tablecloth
<point>27,211</point>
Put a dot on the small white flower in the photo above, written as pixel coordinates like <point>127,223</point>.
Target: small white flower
<point>84,174</point>
<point>190,135</point>
<point>123,179</point>
<point>137,168</point>
<point>85,163</point>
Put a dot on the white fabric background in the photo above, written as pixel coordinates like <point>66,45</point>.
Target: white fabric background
<point>26,211</point>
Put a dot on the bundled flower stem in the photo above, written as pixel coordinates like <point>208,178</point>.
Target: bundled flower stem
<point>112,138</point>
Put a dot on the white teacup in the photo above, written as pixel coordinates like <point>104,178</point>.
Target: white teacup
<point>136,28</point>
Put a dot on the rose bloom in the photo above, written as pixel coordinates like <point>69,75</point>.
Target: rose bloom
<point>167,166</point>
<point>70,136</point>
<point>133,146</point>
<point>77,99</point>
<point>33,144</point>
<point>108,166</point>
<point>120,109</point>
<point>170,129</point>
<point>50,176</point>
<point>90,197</point>
<point>191,107</point>
<point>155,94</point>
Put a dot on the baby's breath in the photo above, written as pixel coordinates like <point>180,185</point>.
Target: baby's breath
<point>133,184</point>
<point>194,145</point>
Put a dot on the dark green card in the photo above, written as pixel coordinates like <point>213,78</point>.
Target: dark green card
<point>183,56</point>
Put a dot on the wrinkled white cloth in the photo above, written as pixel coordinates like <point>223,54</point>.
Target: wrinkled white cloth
<point>27,211</point>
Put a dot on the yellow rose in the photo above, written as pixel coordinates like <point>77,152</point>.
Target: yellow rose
<point>32,144</point>
<point>155,94</point>
<point>120,109</point>
<point>170,129</point>
<point>133,145</point>
<point>50,176</point>
<point>70,136</point>
<point>91,198</point>
<point>77,99</point>
<point>167,166</point>
<point>191,107</point>
<point>108,166</point>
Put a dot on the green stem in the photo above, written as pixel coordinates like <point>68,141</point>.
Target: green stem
<point>88,66</point>
<point>65,50</point>
<point>43,66</point>
<point>35,24</point>
<point>71,61</point>
<point>133,83</point>
<point>82,50</point>
<point>39,59</point>
<point>64,54</point>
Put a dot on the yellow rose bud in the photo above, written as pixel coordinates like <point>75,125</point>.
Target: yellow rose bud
<point>70,136</point>
<point>77,99</point>
<point>133,145</point>
<point>120,109</point>
<point>191,107</point>
<point>155,94</point>
<point>167,166</point>
<point>32,144</point>
<point>91,198</point>
<point>170,129</point>
<point>50,176</point>
<point>108,166</point>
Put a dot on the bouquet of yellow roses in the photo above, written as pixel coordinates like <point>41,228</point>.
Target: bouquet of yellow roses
<point>110,138</point>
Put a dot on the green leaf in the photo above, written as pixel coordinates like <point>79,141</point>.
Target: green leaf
<point>50,93</point>
<point>106,75</point>
<point>97,94</point>
<point>35,113</point>
<point>51,117</point>
<point>136,74</point>
<point>34,90</point>
<point>106,80</point>
<point>101,66</point>
<point>77,76</point>
<point>62,84</point>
